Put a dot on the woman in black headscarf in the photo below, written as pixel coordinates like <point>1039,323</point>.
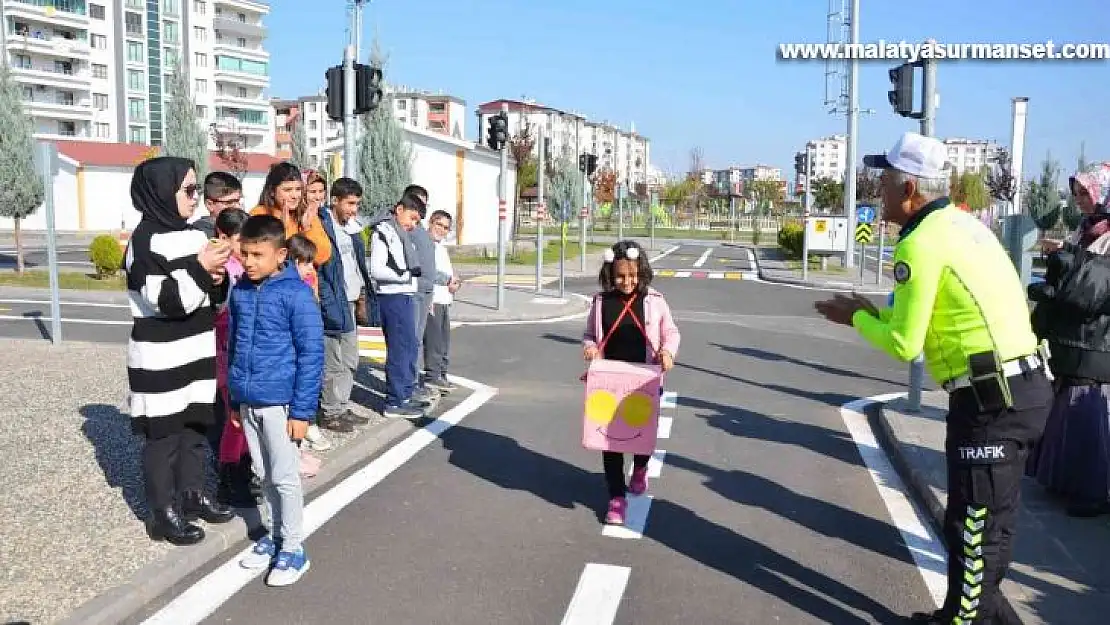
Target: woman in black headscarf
<point>174,277</point>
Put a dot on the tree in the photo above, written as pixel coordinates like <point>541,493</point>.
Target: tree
<point>184,136</point>
<point>229,149</point>
<point>869,186</point>
<point>697,166</point>
<point>1001,183</point>
<point>827,193</point>
<point>300,144</point>
<point>385,156</point>
<point>605,186</point>
<point>764,193</point>
<point>973,190</point>
<point>1042,200</point>
<point>565,185</point>
<point>678,193</point>
<point>955,188</point>
<point>21,187</point>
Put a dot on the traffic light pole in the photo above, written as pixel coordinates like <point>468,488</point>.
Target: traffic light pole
<point>540,213</point>
<point>502,218</point>
<point>805,222</point>
<point>582,220</point>
<point>928,129</point>
<point>350,159</point>
<point>853,125</point>
<point>620,212</point>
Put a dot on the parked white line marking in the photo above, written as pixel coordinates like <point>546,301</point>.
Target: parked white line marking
<point>598,595</point>
<point>704,257</point>
<point>665,253</point>
<point>920,540</point>
<point>635,519</point>
<point>206,596</point>
<point>716,275</point>
<point>669,400</point>
<point>682,274</point>
<point>665,427</point>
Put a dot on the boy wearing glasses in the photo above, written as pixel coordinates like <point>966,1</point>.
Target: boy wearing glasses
<point>437,332</point>
<point>221,192</point>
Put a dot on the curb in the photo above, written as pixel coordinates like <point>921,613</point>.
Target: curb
<point>920,490</point>
<point>827,285</point>
<point>565,312</point>
<point>156,578</point>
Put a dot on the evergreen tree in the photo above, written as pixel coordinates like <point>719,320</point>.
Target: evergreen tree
<point>21,188</point>
<point>384,155</point>
<point>564,185</point>
<point>300,154</point>
<point>184,136</point>
<point>1042,201</point>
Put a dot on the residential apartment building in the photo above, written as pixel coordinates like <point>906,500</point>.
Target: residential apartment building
<point>733,180</point>
<point>96,69</point>
<point>830,157</point>
<point>435,112</point>
<point>970,154</point>
<point>624,151</point>
<point>286,114</point>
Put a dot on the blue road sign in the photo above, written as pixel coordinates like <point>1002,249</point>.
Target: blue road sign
<point>865,214</point>
<point>564,210</point>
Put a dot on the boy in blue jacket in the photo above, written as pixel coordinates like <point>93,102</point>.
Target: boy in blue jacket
<point>275,368</point>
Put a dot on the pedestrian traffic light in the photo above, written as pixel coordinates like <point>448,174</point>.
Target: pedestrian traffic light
<point>368,88</point>
<point>591,164</point>
<point>901,96</point>
<point>498,131</point>
<point>334,92</point>
<point>582,163</point>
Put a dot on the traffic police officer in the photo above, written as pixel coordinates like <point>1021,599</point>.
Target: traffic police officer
<point>959,301</point>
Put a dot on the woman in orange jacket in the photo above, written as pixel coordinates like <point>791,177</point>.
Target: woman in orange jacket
<point>283,197</point>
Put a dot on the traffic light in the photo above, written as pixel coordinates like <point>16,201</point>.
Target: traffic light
<point>582,163</point>
<point>498,132</point>
<point>368,88</point>
<point>901,96</point>
<point>800,163</point>
<point>335,92</point>
<point>591,164</point>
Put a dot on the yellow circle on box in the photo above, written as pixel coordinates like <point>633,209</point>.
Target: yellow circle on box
<point>636,409</point>
<point>601,407</point>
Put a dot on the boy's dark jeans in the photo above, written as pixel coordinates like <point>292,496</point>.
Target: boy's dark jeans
<point>399,331</point>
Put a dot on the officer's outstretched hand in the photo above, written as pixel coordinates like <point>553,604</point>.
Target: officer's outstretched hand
<point>840,309</point>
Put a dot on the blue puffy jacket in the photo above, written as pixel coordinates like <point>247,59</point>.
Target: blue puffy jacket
<point>333,287</point>
<point>276,347</point>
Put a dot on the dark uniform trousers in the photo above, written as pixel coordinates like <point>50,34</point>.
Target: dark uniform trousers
<point>986,454</point>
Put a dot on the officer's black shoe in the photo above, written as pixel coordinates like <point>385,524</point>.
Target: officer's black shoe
<point>926,618</point>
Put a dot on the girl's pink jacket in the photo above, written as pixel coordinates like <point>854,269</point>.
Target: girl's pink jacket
<point>662,333</point>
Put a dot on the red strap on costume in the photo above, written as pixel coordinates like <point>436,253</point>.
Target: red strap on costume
<point>626,310</point>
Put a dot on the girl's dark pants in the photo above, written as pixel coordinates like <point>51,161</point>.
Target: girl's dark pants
<point>613,462</point>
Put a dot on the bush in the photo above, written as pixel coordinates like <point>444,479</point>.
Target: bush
<point>105,254</point>
<point>790,239</point>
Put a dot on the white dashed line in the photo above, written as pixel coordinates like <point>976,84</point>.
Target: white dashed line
<point>704,257</point>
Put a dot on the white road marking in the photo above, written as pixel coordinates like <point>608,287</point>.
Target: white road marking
<point>101,322</point>
<point>635,519</point>
<point>668,400</point>
<point>206,596</point>
<point>548,300</point>
<point>665,424</point>
<point>598,595</point>
<point>64,303</point>
<point>924,546</point>
<point>520,322</point>
<point>655,464</point>
<point>682,274</point>
<point>665,253</point>
<point>704,257</point>
<point>716,275</point>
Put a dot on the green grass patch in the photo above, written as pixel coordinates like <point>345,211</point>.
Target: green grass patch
<point>528,257</point>
<point>73,280</point>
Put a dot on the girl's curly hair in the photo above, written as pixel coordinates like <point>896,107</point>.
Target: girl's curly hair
<point>625,250</point>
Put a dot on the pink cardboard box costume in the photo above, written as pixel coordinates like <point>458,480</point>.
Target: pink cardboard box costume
<point>622,407</point>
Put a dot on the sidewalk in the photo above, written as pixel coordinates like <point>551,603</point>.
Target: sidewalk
<point>477,303</point>
<point>773,267</point>
<point>1061,569</point>
<point>73,541</point>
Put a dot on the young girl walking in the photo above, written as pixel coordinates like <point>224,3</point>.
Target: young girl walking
<point>628,321</point>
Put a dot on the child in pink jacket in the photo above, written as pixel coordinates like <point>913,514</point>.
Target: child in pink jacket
<point>646,333</point>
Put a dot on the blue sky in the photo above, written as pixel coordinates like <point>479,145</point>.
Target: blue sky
<point>704,72</point>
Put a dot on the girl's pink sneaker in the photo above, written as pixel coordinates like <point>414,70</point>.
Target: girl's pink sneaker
<point>639,482</point>
<point>617,507</point>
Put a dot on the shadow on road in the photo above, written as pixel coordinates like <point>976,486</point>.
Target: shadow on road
<point>761,354</point>
<point>503,461</point>
<point>118,452</point>
<point>820,516</point>
<point>754,425</point>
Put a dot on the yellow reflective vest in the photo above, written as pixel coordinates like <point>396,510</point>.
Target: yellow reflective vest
<point>956,294</point>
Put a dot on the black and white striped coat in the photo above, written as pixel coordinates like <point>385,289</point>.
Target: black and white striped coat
<point>171,355</point>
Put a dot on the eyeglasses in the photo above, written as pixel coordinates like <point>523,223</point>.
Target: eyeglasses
<point>190,190</point>
<point>440,224</point>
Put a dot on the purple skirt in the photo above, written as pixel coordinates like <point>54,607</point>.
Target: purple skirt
<point>1072,459</point>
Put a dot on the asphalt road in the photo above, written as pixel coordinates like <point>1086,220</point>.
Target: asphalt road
<point>70,257</point>
<point>763,511</point>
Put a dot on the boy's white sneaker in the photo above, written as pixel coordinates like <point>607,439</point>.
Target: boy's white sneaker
<point>261,554</point>
<point>316,439</point>
<point>288,568</point>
